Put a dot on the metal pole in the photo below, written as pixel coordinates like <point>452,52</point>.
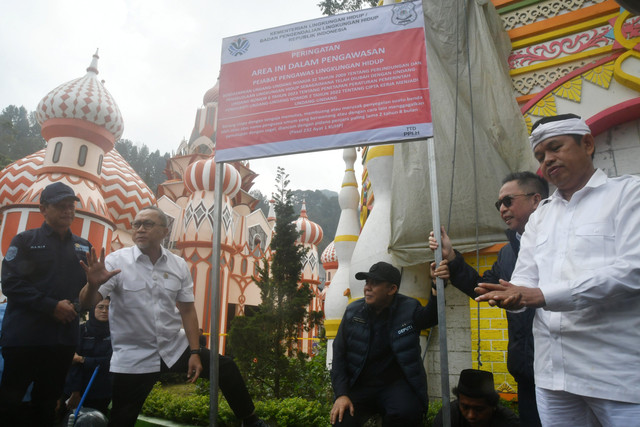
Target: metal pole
<point>442,322</point>
<point>214,280</point>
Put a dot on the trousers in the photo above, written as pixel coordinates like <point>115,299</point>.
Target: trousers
<point>44,366</point>
<point>397,403</point>
<point>131,390</point>
<point>561,408</point>
<point>527,407</point>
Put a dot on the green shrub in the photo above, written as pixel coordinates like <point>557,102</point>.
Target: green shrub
<point>194,409</point>
<point>434,408</point>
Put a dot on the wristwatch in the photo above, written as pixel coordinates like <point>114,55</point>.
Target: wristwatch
<point>196,351</point>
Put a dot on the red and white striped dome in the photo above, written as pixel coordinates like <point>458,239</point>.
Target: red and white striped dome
<point>201,175</point>
<point>311,232</point>
<point>124,192</point>
<point>84,98</point>
<point>329,254</point>
<point>16,178</point>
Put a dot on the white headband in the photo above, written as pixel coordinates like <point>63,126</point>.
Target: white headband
<point>560,127</point>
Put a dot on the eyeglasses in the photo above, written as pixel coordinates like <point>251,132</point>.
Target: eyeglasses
<point>102,307</point>
<point>507,200</point>
<point>147,225</point>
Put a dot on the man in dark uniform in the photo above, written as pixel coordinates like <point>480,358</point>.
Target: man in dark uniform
<point>41,278</point>
<point>377,364</point>
<point>519,197</point>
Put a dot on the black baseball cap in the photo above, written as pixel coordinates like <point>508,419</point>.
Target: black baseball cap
<point>57,192</point>
<point>381,271</point>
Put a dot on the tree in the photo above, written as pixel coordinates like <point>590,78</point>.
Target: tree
<point>331,7</point>
<point>263,202</point>
<point>323,208</point>
<point>149,166</point>
<point>265,345</point>
<point>19,133</point>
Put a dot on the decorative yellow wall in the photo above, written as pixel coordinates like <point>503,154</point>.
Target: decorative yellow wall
<point>492,330</point>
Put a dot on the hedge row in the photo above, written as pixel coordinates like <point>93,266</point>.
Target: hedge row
<point>194,410</point>
<point>290,412</point>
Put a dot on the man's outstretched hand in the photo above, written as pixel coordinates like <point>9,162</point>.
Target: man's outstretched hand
<point>96,272</point>
<point>509,296</point>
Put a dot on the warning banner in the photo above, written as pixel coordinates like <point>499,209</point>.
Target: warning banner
<point>366,83</point>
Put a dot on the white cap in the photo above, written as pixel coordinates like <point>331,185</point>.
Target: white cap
<point>572,126</point>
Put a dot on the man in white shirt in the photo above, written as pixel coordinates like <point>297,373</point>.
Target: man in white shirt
<point>151,293</point>
<point>579,264</point>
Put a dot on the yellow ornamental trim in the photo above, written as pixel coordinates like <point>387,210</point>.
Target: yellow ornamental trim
<point>379,151</point>
<point>545,107</point>
<point>505,388</point>
<point>621,37</point>
<point>623,77</point>
<point>571,90</point>
<point>331,327</point>
<point>600,75</point>
<point>346,238</point>
<point>528,122</point>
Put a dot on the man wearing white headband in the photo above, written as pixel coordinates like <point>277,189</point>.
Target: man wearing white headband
<point>579,264</point>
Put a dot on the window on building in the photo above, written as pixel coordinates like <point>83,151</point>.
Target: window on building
<point>57,151</point>
<point>82,155</point>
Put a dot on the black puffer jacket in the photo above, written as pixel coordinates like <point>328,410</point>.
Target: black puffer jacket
<point>466,278</point>
<point>351,345</point>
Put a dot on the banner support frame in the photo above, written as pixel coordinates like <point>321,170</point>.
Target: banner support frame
<point>214,280</point>
<point>442,323</point>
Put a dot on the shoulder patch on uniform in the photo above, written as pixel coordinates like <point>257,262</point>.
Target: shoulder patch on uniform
<point>11,253</point>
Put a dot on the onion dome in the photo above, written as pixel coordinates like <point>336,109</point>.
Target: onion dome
<point>212,94</point>
<point>201,175</point>
<point>329,254</point>
<point>311,232</point>
<point>16,178</point>
<point>124,192</point>
<point>85,99</point>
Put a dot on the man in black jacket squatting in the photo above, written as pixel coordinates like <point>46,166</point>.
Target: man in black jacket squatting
<point>377,366</point>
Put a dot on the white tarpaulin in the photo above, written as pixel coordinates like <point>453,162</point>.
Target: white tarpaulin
<point>500,134</point>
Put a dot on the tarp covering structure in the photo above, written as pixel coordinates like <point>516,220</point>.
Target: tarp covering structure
<point>467,52</point>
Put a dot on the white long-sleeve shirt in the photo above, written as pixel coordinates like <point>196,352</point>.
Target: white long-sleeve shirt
<point>145,323</point>
<point>584,255</point>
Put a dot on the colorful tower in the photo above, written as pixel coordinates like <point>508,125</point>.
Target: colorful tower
<point>337,293</point>
<point>310,237</point>
<point>80,122</point>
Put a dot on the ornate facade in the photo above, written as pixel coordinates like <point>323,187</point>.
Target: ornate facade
<point>80,122</point>
<point>578,56</point>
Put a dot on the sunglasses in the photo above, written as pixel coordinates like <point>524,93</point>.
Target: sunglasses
<point>147,225</point>
<point>508,200</point>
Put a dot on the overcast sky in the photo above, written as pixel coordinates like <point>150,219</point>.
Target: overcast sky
<point>157,58</point>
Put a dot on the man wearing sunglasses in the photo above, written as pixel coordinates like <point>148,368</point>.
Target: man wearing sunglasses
<point>519,196</point>
<point>146,283</point>
<point>580,265</point>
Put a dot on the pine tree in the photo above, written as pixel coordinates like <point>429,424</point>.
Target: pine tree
<point>266,345</point>
<point>331,7</point>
